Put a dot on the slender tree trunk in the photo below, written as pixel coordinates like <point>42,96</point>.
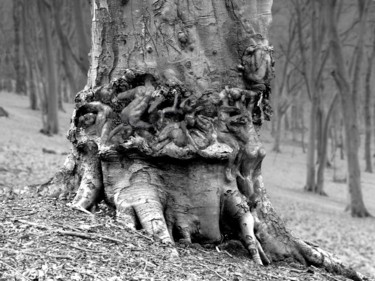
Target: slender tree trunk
<point>32,92</point>
<point>367,108</point>
<point>19,63</point>
<point>50,72</point>
<point>310,163</point>
<point>277,136</point>
<point>349,103</point>
<point>323,148</point>
<point>64,46</point>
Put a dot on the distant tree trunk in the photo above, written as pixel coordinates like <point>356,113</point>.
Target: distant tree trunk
<point>52,124</point>
<point>312,66</point>
<point>83,46</point>
<point>277,133</point>
<point>311,148</point>
<point>64,46</point>
<point>30,54</point>
<point>32,89</point>
<point>367,107</point>
<point>349,96</point>
<point>167,129</point>
<point>323,148</point>
<point>19,63</point>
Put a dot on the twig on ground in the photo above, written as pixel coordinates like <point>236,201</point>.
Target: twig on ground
<point>200,250</point>
<point>271,275</point>
<point>210,269</point>
<point>79,248</point>
<point>26,252</point>
<point>329,276</point>
<point>15,270</point>
<point>72,233</point>
<point>292,269</point>
<point>83,273</point>
<point>24,215</point>
<point>226,252</point>
<point>133,231</point>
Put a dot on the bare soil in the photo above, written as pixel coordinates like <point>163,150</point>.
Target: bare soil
<point>43,239</point>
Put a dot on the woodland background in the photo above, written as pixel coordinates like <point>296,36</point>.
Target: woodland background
<point>44,60</point>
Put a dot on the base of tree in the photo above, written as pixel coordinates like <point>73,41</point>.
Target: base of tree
<point>144,200</point>
<point>3,112</point>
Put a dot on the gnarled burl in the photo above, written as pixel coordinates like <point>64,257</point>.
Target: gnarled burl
<point>167,130</point>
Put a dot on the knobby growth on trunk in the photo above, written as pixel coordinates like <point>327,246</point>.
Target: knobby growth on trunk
<point>167,130</point>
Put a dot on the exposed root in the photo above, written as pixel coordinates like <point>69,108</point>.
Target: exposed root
<point>323,259</point>
<point>141,202</point>
<point>91,186</point>
<point>62,185</point>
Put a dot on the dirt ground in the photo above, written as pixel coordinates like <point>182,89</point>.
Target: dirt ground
<point>41,239</point>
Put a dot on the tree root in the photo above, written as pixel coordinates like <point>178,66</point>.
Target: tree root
<point>63,184</point>
<point>167,204</point>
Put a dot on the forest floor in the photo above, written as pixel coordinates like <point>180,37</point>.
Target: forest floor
<point>43,239</point>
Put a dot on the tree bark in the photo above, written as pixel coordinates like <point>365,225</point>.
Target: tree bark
<point>168,130</point>
<point>30,59</point>
<point>323,148</point>
<point>64,46</point>
<point>19,63</point>
<point>311,147</point>
<point>367,108</point>
<point>83,47</point>
<point>52,125</point>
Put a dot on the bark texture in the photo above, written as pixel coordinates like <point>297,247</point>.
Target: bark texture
<point>19,63</point>
<point>51,126</point>
<point>167,130</point>
<point>367,107</point>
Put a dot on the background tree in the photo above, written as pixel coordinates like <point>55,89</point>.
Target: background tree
<point>349,93</point>
<point>367,103</point>
<point>311,31</point>
<point>19,63</point>
<point>50,125</point>
<point>289,81</point>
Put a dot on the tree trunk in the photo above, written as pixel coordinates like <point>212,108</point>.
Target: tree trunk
<point>367,108</point>
<point>82,37</point>
<point>349,102</point>
<point>323,148</point>
<point>310,163</point>
<point>168,129</point>
<point>50,71</point>
<point>277,136</point>
<point>19,63</point>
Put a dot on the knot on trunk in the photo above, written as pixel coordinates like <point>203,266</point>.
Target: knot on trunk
<point>158,118</point>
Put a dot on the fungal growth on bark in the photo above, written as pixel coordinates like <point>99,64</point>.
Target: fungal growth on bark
<point>167,129</point>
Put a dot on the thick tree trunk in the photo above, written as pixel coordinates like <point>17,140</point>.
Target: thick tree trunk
<point>83,47</point>
<point>168,129</point>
